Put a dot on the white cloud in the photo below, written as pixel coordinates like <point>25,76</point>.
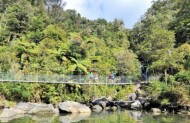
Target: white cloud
<point>127,10</point>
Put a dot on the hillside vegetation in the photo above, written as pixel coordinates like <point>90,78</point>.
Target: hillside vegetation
<point>40,36</point>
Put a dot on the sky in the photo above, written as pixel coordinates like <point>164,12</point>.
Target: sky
<point>129,11</point>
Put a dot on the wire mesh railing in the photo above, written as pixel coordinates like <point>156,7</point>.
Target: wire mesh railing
<point>81,79</point>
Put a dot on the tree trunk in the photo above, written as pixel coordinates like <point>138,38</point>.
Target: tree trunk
<point>165,75</point>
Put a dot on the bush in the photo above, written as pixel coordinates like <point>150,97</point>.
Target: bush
<point>177,93</point>
<point>183,76</point>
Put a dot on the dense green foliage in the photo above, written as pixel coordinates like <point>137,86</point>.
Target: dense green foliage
<point>39,40</point>
<point>161,41</point>
<point>156,38</point>
<point>39,36</point>
<point>55,93</point>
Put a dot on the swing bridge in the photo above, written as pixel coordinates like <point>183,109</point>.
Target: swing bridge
<point>69,79</point>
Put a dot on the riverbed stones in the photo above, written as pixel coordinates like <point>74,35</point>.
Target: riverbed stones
<point>73,107</point>
<point>97,108</point>
<point>136,105</point>
<point>123,104</point>
<point>103,104</point>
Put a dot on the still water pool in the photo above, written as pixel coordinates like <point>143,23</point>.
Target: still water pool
<point>103,117</point>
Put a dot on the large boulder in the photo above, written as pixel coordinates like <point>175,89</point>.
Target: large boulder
<point>42,109</point>
<point>136,105</point>
<point>7,113</point>
<point>19,111</point>
<point>26,107</point>
<point>34,108</point>
<point>73,107</point>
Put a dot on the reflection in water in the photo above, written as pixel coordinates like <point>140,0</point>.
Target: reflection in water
<point>135,115</point>
<point>30,119</point>
<point>74,117</point>
<point>11,118</point>
<point>103,117</point>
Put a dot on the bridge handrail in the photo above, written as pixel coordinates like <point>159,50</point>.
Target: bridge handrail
<point>63,78</point>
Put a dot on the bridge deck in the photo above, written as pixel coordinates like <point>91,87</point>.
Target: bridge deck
<point>80,83</point>
<point>67,79</point>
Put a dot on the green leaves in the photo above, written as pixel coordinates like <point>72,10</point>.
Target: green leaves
<point>54,32</point>
<point>78,64</point>
<point>128,63</point>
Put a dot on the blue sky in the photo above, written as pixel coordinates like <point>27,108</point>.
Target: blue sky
<point>129,11</point>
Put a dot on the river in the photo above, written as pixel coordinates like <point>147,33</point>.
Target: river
<point>103,117</point>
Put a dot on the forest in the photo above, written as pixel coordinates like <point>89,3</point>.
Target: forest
<point>40,36</point>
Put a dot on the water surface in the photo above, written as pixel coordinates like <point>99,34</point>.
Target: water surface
<point>103,117</point>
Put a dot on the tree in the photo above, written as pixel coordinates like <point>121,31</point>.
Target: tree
<point>162,53</point>
<point>17,19</point>
<point>181,24</point>
<point>128,64</point>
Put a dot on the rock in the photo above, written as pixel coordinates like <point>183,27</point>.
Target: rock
<point>144,102</point>
<point>109,98</point>
<point>103,104</point>
<point>108,108</point>
<point>73,107</point>
<point>141,99</point>
<point>27,106</point>
<point>34,108</point>
<point>110,103</point>
<point>97,108</point>
<point>146,105</point>
<point>156,111</point>
<point>23,106</point>
<point>114,108</point>
<point>56,110</point>
<point>132,97</point>
<point>97,101</point>
<point>19,111</point>
<point>188,113</point>
<point>7,113</point>
<point>123,104</point>
<point>42,109</point>
<point>136,105</point>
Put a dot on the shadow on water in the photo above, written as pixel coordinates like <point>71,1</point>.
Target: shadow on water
<point>102,117</point>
